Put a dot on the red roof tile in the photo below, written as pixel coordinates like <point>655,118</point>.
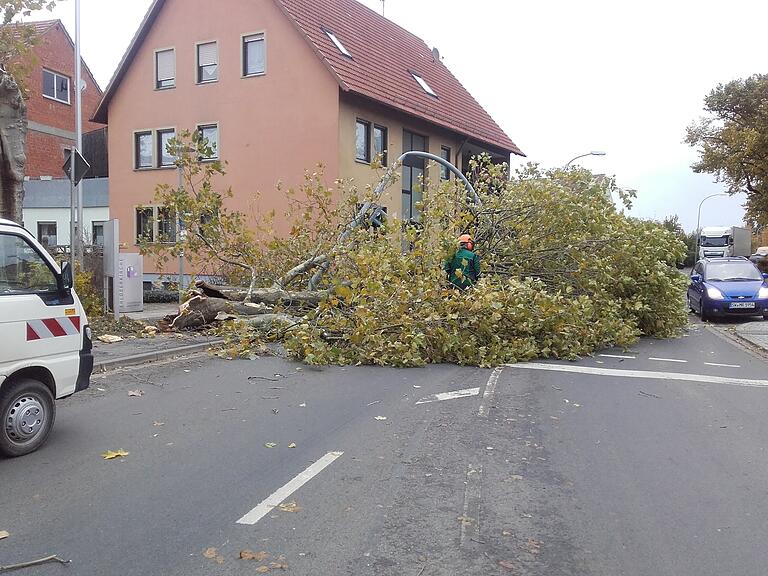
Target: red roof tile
<point>383,57</point>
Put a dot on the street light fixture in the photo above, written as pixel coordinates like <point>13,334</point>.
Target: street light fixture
<point>698,224</point>
<point>593,153</point>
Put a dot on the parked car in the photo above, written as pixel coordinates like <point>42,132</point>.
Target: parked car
<point>760,258</point>
<point>728,287</point>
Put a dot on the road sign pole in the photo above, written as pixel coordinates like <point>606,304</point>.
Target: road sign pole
<point>79,129</point>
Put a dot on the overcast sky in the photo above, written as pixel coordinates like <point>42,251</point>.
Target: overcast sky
<point>561,77</point>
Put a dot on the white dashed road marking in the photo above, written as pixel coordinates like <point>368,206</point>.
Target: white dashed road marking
<point>617,356</point>
<point>490,388</point>
<point>267,505</point>
<point>722,365</point>
<point>450,395</point>
<point>647,374</point>
<point>668,360</point>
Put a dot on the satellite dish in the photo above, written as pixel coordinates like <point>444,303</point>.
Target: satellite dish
<point>83,85</point>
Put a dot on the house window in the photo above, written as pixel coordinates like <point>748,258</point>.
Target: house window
<point>46,233</point>
<point>254,55</point>
<point>166,157</point>
<point>207,62</point>
<point>363,141</point>
<point>445,154</point>
<point>165,69</point>
<point>423,84</point>
<point>55,86</point>
<point>337,43</point>
<point>210,133</point>
<point>145,228</point>
<point>155,224</point>
<point>413,175</point>
<point>380,144</point>
<point>143,150</point>
<point>97,233</point>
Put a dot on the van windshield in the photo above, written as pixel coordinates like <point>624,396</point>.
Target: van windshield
<point>22,269</point>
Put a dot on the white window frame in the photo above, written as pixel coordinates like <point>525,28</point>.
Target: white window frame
<point>155,217</point>
<point>263,35</point>
<point>423,83</point>
<point>197,62</point>
<point>48,223</point>
<point>336,42</point>
<point>217,151</point>
<point>155,78</point>
<point>55,76</point>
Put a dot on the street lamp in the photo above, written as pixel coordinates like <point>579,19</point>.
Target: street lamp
<point>593,153</point>
<point>698,223</point>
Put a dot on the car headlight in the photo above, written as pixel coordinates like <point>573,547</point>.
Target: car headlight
<point>714,293</point>
<point>763,292</point>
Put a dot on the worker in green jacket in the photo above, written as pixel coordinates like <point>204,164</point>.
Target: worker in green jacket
<point>463,268</point>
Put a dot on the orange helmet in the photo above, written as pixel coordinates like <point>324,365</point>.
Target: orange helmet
<point>466,240</point>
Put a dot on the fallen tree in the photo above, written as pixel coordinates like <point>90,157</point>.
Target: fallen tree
<point>564,272</point>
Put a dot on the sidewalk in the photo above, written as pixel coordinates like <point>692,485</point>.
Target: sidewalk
<point>755,332</point>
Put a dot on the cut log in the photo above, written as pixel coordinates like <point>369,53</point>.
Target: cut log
<point>201,310</point>
<point>210,290</point>
<point>270,321</point>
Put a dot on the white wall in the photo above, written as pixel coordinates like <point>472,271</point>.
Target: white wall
<point>61,216</point>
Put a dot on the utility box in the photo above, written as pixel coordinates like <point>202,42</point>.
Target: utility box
<point>130,284</point>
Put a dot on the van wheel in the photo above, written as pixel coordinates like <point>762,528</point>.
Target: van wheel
<point>27,412</point>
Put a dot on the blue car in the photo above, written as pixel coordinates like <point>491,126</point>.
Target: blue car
<point>728,287</point>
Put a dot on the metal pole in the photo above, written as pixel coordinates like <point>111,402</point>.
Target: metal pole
<point>72,212</point>
<point>698,224</point>
<point>179,239</point>
<point>78,131</point>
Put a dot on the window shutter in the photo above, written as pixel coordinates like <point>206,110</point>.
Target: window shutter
<point>207,54</point>
<point>166,65</point>
<point>254,54</point>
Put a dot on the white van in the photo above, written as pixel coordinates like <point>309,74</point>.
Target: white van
<point>45,340</point>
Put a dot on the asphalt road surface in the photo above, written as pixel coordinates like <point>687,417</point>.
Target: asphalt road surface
<point>649,461</point>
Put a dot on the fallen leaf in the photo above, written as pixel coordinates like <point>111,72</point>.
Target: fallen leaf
<point>156,423</point>
<point>270,444</point>
<point>416,386</point>
<point>210,553</point>
<point>292,445</point>
<point>262,569</point>
<point>258,556</point>
<point>506,564</point>
<point>465,519</point>
<point>136,392</point>
<point>275,410</point>
<point>288,507</point>
<point>515,477</point>
<point>100,389</point>
<point>219,559</point>
<point>533,546</point>
<point>109,338</point>
<point>506,533</point>
<point>3,534</point>
<point>303,405</point>
<point>379,417</point>
<point>112,454</point>
<point>278,566</point>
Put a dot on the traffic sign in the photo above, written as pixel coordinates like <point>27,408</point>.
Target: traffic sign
<point>81,167</point>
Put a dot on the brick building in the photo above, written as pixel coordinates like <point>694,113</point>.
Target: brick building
<point>51,101</point>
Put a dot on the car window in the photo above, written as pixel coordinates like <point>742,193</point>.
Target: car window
<point>732,271</point>
<point>22,269</point>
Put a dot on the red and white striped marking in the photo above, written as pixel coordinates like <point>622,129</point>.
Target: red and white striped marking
<point>53,327</point>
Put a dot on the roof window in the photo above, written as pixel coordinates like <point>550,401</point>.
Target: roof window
<point>337,43</point>
<point>423,84</point>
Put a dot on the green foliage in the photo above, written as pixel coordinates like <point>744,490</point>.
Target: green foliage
<point>564,273</point>
<point>732,140</point>
<point>672,224</point>
<point>18,39</point>
<point>91,299</point>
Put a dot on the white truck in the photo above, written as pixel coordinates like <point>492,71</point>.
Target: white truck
<point>720,242</point>
<point>45,340</point>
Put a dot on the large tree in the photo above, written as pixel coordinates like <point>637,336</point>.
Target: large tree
<point>732,140</point>
<point>16,61</point>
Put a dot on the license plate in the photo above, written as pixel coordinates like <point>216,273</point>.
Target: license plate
<point>742,305</point>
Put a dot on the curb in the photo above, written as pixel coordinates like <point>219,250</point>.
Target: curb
<point>153,356</point>
<point>739,340</point>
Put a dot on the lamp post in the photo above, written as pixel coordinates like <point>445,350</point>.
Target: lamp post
<point>593,153</point>
<point>698,223</point>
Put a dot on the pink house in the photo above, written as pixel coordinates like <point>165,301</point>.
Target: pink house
<point>281,86</point>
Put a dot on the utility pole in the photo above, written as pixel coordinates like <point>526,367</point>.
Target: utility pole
<point>78,242</point>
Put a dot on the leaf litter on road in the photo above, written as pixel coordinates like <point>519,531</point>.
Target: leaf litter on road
<point>257,556</point>
<point>4,534</point>
<point>136,392</point>
<point>379,418</point>
<point>270,444</point>
<point>213,554</point>
<point>112,454</point>
<point>288,507</point>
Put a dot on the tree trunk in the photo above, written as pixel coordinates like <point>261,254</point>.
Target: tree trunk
<point>201,310</point>
<point>13,138</point>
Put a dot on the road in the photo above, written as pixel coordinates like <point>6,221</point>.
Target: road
<point>632,462</point>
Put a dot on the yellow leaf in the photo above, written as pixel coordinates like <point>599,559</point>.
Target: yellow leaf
<point>210,553</point>
<point>270,444</point>
<point>112,454</point>
<point>262,569</point>
<point>292,445</point>
<point>258,556</point>
<point>288,507</point>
